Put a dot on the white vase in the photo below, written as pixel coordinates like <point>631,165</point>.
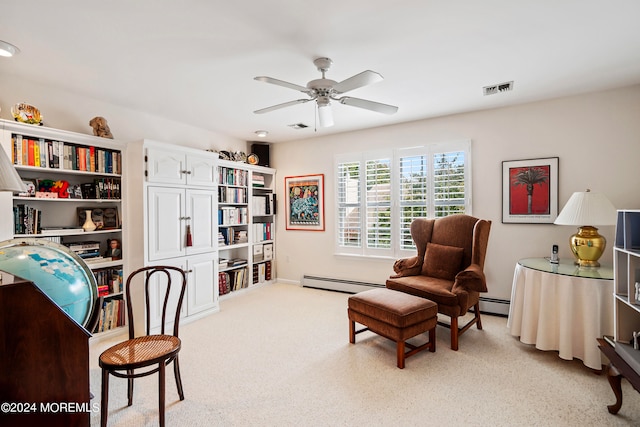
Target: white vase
<point>88,225</point>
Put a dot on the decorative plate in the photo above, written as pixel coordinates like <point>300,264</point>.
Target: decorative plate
<point>26,113</point>
<point>253,159</point>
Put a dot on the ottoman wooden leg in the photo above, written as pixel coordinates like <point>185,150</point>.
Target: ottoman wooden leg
<point>400,350</point>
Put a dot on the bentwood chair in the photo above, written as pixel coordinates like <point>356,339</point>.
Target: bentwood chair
<point>146,354</point>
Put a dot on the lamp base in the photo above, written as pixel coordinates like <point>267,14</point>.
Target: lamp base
<point>587,246</point>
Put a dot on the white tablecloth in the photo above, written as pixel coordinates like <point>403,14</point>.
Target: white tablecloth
<point>560,312</point>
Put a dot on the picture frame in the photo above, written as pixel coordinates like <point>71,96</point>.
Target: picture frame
<point>530,191</point>
<point>304,202</point>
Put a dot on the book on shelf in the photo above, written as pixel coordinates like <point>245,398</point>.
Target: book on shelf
<point>60,230</point>
<point>52,154</point>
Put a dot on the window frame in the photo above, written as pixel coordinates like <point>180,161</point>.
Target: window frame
<point>394,156</point>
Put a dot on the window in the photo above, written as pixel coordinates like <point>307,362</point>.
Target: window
<point>379,194</point>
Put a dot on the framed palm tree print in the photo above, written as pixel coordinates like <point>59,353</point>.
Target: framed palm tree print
<point>530,191</point>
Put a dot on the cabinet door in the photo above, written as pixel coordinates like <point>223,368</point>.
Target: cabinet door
<point>203,286</point>
<point>165,166</point>
<point>201,211</point>
<point>202,171</point>
<point>165,223</point>
<point>157,290</point>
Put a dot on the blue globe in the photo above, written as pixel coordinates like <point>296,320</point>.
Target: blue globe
<point>61,274</point>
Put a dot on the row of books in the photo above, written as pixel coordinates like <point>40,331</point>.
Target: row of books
<point>26,219</point>
<point>46,153</point>
<point>232,176</point>
<point>229,281</point>
<point>262,272</point>
<point>109,280</point>
<point>262,231</point>
<point>232,195</point>
<point>264,204</point>
<point>229,215</point>
<point>111,315</point>
<point>232,236</point>
<point>85,250</point>
<point>257,180</point>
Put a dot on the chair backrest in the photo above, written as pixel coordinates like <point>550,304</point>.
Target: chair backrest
<point>462,231</point>
<point>164,294</point>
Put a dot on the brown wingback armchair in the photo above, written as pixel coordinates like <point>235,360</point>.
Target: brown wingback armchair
<point>448,269</point>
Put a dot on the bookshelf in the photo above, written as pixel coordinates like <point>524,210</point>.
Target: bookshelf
<point>263,210</point>
<point>67,175</point>
<point>246,212</point>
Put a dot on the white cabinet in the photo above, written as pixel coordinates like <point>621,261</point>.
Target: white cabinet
<point>179,222</point>
<point>175,210</point>
<point>200,297</point>
<point>174,166</point>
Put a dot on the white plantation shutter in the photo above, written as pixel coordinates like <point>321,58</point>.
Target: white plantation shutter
<point>348,202</point>
<point>413,192</point>
<point>380,194</point>
<point>378,203</point>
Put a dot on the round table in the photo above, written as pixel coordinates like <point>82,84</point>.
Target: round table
<point>562,307</point>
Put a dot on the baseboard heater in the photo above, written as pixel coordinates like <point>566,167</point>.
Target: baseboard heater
<point>487,304</point>
<point>340,285</point>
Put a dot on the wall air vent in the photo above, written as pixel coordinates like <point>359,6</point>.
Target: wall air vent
<point>298,126</point>
<point>498,88</point>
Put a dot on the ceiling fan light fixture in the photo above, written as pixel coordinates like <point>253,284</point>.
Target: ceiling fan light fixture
<point>7,49</point>
<point>325,115</point>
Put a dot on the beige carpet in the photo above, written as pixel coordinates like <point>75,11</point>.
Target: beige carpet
<point>280,356</point>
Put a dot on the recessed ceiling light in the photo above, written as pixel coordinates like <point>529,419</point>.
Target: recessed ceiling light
<point>7,49</point>
<point>261,133</point>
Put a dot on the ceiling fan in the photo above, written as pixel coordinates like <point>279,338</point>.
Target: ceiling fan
<point>323,91</point>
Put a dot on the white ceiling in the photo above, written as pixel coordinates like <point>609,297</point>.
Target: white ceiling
<point>194,60</point>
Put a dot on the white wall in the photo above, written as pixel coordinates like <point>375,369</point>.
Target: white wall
<point>596,137</point>
<point>65,110</point>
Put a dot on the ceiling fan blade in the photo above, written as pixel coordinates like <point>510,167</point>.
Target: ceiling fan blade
<point>364,78</point>
<point>283,105</point>
<point>368,105</point>
<point>282,83</point>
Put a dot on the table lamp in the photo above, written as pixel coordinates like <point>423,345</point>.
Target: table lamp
<point>9,178</point>
<point>587,207</point>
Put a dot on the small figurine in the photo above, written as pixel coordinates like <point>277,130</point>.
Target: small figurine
<point>636,335</point>
<point>114,250</point>
<point>100,127</point>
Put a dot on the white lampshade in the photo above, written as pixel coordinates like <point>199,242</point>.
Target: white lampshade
<point>587,208</point>
<point>325,115</point>
<point>9,178</point>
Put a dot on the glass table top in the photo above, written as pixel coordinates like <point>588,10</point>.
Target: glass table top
<point>568,268</point>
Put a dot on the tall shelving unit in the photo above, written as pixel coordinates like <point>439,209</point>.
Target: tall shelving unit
<point>246,212</point>
<point>263,210</point>
<point>626,261</point>
<point>89,167</point>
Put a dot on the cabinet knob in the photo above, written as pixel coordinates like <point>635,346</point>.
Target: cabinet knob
<point>186,171</point>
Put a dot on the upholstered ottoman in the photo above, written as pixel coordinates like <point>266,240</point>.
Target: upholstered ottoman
<point>395,315</point>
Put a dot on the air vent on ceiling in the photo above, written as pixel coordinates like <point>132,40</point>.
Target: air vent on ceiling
<point>298,126</point>
<point>497,88</point>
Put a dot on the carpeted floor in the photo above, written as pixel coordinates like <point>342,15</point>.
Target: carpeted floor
<point>279,355</point>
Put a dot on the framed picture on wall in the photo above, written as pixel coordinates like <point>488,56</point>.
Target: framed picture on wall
<point>304,202</point>
<point>530,191</point>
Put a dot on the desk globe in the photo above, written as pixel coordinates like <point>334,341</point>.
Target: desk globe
<point>61,274</point>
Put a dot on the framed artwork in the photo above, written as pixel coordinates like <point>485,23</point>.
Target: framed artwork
<point>304,202</point>
<point>530,191</point>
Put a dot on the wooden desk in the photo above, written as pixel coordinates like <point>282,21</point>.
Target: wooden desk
<point>44,360</point>
<point>562,307</point>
